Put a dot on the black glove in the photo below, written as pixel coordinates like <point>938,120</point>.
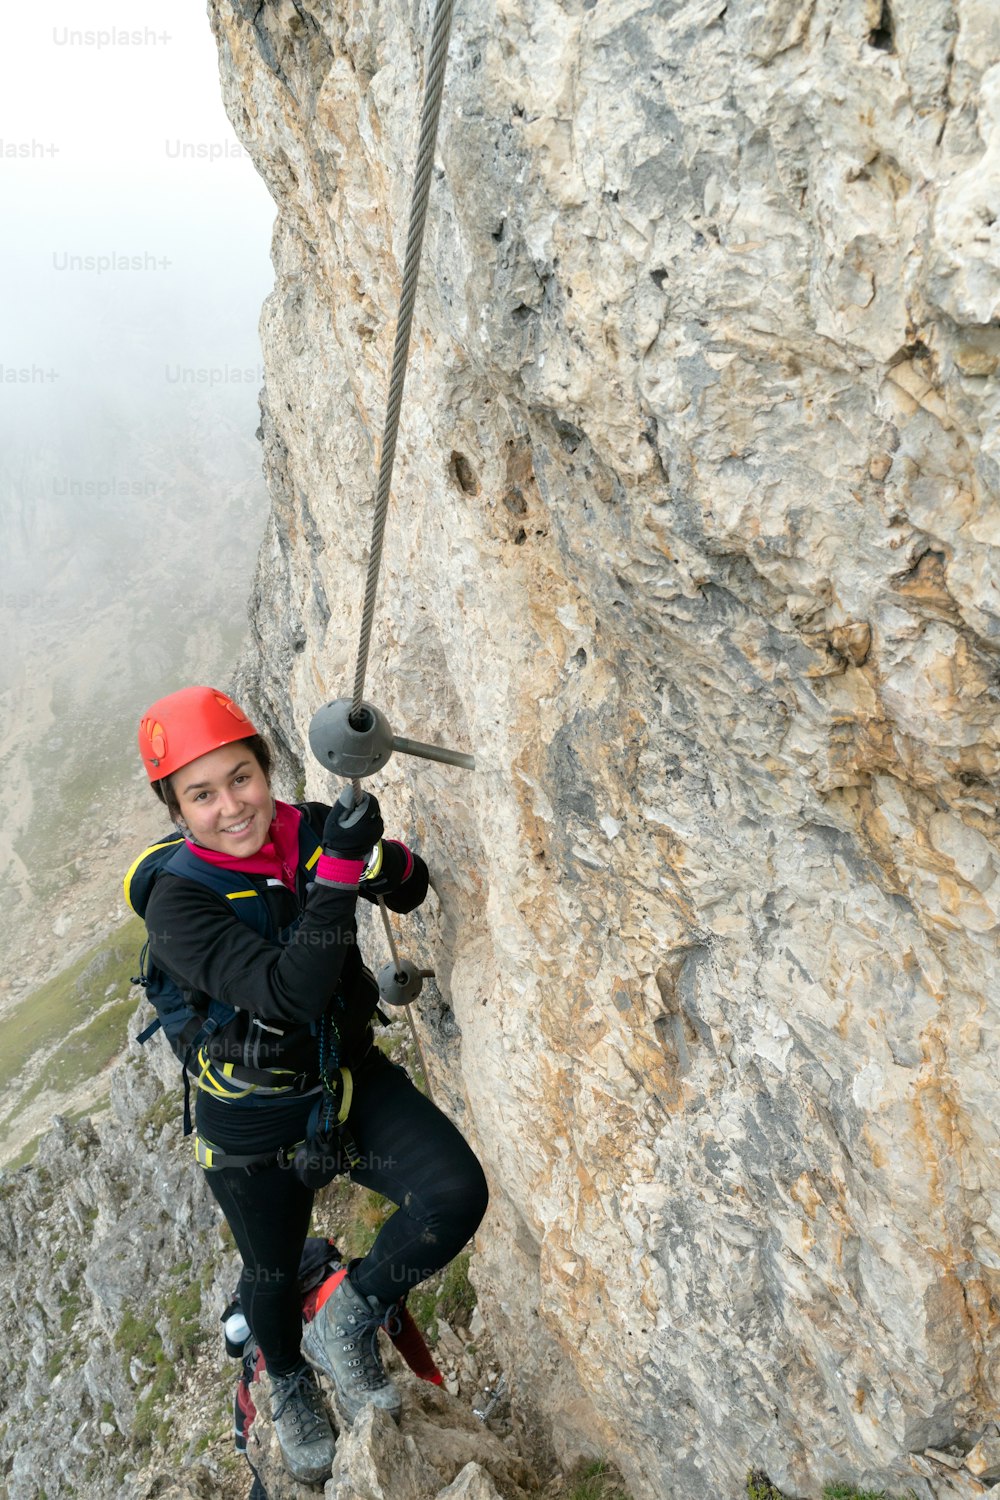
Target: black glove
<point>352,832</point>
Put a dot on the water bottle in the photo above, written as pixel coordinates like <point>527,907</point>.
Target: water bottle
<point>236,1330</point>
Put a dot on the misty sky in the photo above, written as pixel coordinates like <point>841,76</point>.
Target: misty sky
<point>134,251</point>
<point>134,254</point>
<point>110,129</point>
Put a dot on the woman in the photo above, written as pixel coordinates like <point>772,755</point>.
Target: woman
<point>295,1061</point>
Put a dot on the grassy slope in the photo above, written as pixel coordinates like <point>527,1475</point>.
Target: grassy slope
<point>70,1028</point>
<point>75,1015</point>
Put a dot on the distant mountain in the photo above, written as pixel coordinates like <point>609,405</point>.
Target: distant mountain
<point>128,554</point>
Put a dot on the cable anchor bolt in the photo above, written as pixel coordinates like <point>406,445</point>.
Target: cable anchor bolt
<point>398,986</point>
<point>359,745</point>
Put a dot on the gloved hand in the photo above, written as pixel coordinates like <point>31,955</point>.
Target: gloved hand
<point>352,832</point>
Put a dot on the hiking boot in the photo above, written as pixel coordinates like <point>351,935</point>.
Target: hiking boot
<point>342,1341</point>
<point>302,1426</point>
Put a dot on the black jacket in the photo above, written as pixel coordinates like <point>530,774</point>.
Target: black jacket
<point>315,968</point>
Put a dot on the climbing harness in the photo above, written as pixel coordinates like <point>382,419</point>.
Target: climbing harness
<point>212,1159</point>
<point>353,738</point>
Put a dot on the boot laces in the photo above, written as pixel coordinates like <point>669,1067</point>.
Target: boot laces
<point>365,1340</point>
<point>297,1393</point>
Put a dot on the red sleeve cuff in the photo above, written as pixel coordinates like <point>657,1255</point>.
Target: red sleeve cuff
<point>408,868</point>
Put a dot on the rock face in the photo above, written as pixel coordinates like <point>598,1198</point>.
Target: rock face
<point>695,543</point>
<point>434,1454</point>
<point>111,1261</point>
<point>115,1269</point>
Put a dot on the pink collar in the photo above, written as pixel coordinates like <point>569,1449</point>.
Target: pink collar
<point>278,858</point>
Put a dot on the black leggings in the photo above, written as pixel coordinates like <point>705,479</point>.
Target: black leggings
<point>411,1153</point>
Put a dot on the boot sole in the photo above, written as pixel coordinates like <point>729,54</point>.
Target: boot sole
<point>305,1475</point>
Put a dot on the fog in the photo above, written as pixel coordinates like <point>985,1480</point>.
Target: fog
<point>134,265</point>
<point>135,258</point>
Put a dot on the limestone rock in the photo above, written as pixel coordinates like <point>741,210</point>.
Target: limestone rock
<point>695,544</point>
<point>101,1238</point>
<point>473,1483</point>
<point>965,269</point>
<point>196,1484</point>
<point>375,1461</point>
<point>451,1439</point>
<point>983,1459</point>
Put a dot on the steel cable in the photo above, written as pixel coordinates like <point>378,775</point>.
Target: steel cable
<point>433,90</point>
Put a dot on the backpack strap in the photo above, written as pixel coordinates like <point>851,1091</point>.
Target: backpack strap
<point>143,871</point>
<point>174,855</point>
<point>248,902</point>
<point>310,849</point>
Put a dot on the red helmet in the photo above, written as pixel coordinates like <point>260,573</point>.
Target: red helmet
<point>183,725</point>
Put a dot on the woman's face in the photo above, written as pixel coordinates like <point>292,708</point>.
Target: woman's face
<point>225,800</point>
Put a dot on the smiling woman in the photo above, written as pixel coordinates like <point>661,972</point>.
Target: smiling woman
<point>252,932</point>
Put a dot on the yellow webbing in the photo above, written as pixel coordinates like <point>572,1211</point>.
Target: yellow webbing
<point>346,1096</point>
<point>127,883</point>
<point>204,1154</point>
<point>213,1160</point>
<point>204,1080</point>
<point>213,1075</point>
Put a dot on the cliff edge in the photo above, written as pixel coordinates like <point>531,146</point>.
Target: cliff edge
<point>694,543</point>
